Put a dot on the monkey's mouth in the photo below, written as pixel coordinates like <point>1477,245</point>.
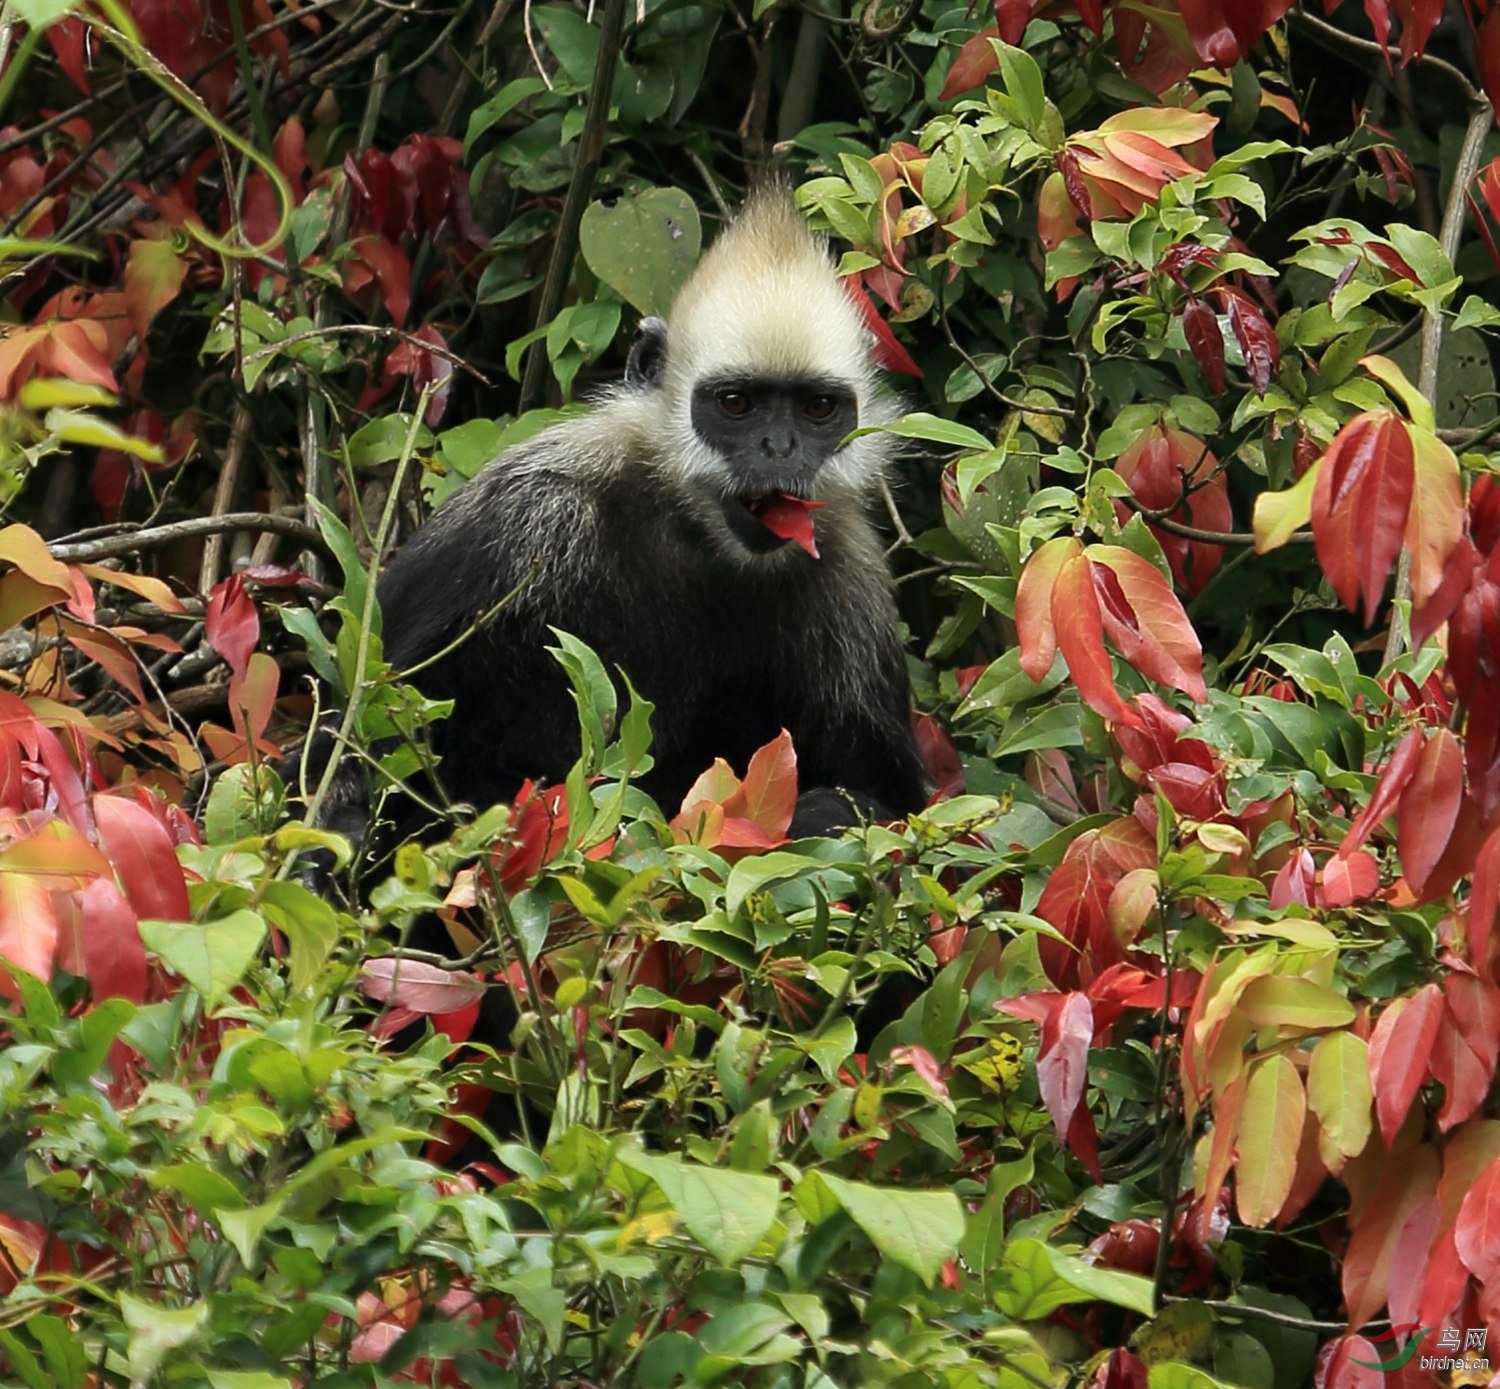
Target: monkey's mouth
<point>786,516</point>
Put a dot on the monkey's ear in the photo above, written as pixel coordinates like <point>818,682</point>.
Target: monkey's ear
<point>648,354</point>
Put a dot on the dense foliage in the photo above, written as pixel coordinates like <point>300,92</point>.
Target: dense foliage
<point>1160,1049</point>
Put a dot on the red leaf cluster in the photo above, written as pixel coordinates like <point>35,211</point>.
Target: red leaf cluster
<point>1070,598</point>
<point>1173,474</point>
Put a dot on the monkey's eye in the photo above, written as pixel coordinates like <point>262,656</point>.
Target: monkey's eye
<point>820,408</point>
<point>734,403</point>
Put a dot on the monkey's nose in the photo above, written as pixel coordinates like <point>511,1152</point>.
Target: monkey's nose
<point>778,448</point>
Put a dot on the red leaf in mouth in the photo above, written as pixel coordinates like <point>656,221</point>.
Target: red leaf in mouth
<point>789,517</point>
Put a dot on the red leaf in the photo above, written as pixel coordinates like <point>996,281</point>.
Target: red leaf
<point>888,353</point>
<point>1349,878</point>
<point>231,624</point>
<point>252,697</point>
<point>1464,1077</point>
<point>1210,33</point>
<point>977,58</point>
<point>1200,325</point>
<point>423,988</point>
<point>111,955</point>
<point>1484,896</point>
<point>1474,1003</point>
<point>1078,621</point>
<point>1476,1236</point>
<point>925,1064</point>
<point>1062,1060</point>
<point>1011,18</point>
<point>1428,812</point>
<point>69,40</point>
<point>1399,1188</point>
<point>1400,1050</point>
<point>388,264</point>
<point>1034,627</point>
<point>1388,788</point>
<point>1123,1370</point>
<point>1256,337</point>
<point>1360,503</point>
<point>539,829</point>
<point>789,517</point>
<point>1144,620</point>
<point>144,858</point>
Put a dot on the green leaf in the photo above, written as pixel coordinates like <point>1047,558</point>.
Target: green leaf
<point>727,1212</point>
<point>213,956</point>
<point>643,245</point>
<point>1023,83</point>
<point>1279,515</point>
<point>917,1229</point>
<point>511,95</point>
<point>154,1329</point>
<point>384,439</point>
<point>920,425</point>
<point>534,1290</point>
<point>75,427</point>
<point>1035,1279</point>
<point>243,1228</point>
<point>202,1187</point>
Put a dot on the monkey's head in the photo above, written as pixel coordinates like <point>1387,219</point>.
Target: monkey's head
<point>764,367</point>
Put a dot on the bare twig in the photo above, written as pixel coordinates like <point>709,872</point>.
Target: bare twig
<point>590,152</point>
<point>127,542</point>
<point>1207,537</point>
<point>229,478</point>
<point>369,330</point>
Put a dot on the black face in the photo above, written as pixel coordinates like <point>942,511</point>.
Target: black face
<point>774,434</point>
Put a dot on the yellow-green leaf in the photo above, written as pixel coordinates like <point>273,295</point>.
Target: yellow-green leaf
<point>1270,1133</point>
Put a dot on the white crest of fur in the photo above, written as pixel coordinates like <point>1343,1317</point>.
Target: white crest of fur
<point>766,300</point>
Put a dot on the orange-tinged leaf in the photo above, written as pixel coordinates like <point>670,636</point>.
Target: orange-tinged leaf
<point>1435,523</point>
<point>1477,1233</point>
<point>154,273</point>
<point>1034,626</point>
<point>1399,1189</point>
<point>1151,630</point>
<point>1270,1133</point>
<point>21,597</point>
<point>1428,812</point>
<point>1338,1091</point>
<point>768,795</point>
<point>24,548</point>
<point>1400,1050</point>
<point>1281,1000</point>
<point>142,585</point>
<point>1228,1110</point>
<point>28,928</point>
<point>1167,125</point>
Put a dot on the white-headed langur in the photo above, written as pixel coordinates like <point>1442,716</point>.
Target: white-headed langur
<point>703,529</point>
